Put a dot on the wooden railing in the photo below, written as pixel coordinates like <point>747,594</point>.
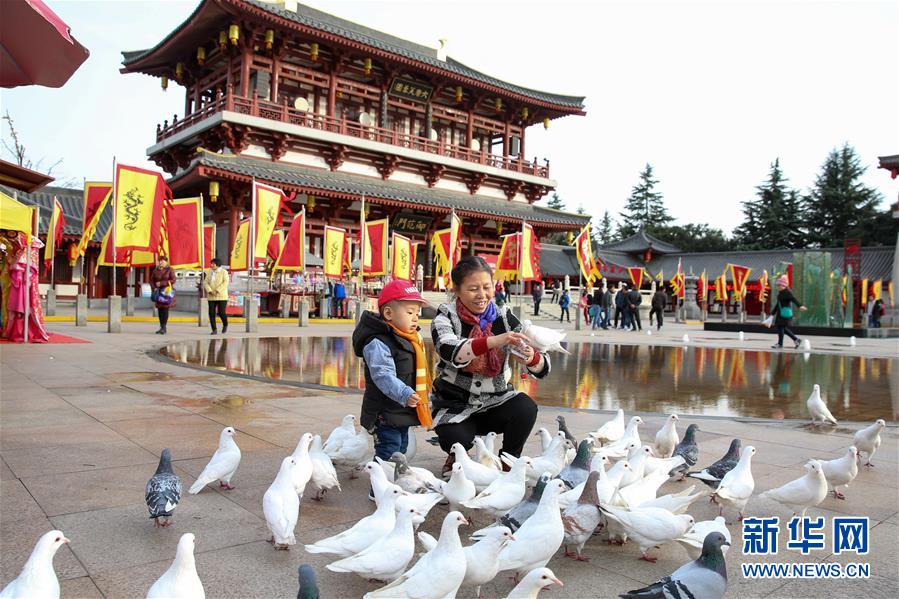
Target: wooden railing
<point>344,126</point>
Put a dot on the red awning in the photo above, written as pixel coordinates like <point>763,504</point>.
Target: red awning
<point>36,47</point>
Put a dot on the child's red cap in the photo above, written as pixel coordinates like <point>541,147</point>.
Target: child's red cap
<point>400,290</point>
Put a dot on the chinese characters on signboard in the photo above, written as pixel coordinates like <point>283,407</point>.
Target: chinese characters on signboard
<point>411,223</point>
<point>410,90</point>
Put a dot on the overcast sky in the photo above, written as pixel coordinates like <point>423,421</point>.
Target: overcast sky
<point>709,93</point>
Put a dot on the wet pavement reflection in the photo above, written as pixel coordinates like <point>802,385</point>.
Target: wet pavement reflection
<point>687,380</point>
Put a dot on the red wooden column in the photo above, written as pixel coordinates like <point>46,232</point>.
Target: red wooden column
<point>276,74</point>
<point>332,90</point>
<point>233,222</point>
<point>469,128</point>
<point>246,59</point>
<point>521,153</point>
<point>506,134</point>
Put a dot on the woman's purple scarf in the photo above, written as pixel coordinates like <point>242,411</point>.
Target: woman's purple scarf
<point>487,316</point>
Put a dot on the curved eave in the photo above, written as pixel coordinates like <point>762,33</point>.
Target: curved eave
<point>141,61</point>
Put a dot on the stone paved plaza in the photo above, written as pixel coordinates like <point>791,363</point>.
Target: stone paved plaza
<point>82,427</point>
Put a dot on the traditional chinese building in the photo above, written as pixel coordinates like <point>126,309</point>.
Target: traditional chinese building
<point>334,111</point>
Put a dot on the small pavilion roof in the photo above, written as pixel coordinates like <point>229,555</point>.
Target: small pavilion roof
<point>209,14</point>
<point>890,163</point>
<point>641,241</point>
<point>21,178</point>
<point>397,193</point>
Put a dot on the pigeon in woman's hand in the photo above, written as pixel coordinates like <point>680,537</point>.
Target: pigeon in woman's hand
<point>705,577</point>
<point>163,492</point>
<point>687,449</point>
<point>181,580</point>
<point>542,338</point>
<point>713,474</point>
<point>222,466</point>
<point>308,585</point>
<point>38,578</point>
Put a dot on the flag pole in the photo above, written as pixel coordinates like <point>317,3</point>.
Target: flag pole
<point>35,211</point>
<point>521,264</point>
<point>115,197</point>
<point>81,281</point>
<point>251,248</point>
<point>53,255</point>
<point>361,252</point>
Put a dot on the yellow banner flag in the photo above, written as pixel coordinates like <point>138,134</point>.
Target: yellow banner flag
<point>239,253</point>
<point>139,201</point>
<point>864,298</point>
<point>335,242</point>
<point>403,263</point>
<point>530,255</point>
<point>877,289</point>
<point>268,204</point>
<point>455,242</point>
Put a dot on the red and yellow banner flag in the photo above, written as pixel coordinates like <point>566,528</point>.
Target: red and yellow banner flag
<point>208,244</point>
<point>660,276</point>
<point>877,290</point>
<point>335,251</point>
<point>585,259</point>
<point>721,288</point>
<point>403,266</point>
<point>519,259</point>
<point>864,299</point>
<point>764,286</point>
<point>275,245</point>
<point>293,254</point>
<point>440,244</point>
<point>184,233</point>
<point>530,255</point>
<point>702,288</point>
<point>240,251</point>
<point>140,199</point>
<point>267,204</point>
<point>455,239</point>
<point>636,274</point>
<point>374,257</point>
<point>739,275</point>
<point>54,233</point>
<point>507,262</point>
<point>681,281</point>
<point>122,258</point>
<point>96,195</point>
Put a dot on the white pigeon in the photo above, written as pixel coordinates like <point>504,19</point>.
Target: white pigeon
<point>581,519</point>
<point>649,332</point>
<point>346,430</point>
<point>545,438</point>
<point>534,581</point>
<point>281,506</point>
<point>867,440</point>
<point>484,456</point>
<point>490,442</point>
<point>654,464</point>
<point>841,471</point>
<point>458,489</point>
<point>693,540</point>
<point>852,341</point>
<point>619,448</point>
<point>741,336</point>
<point>611,431</point>
<point>388,556</point>
<point>352,451</point>
<point>597,464</point>
<point>377,478</point>
<point>542,338</point>
<point>643,490</point>
<point>324,476</point>
<point>222,466</point>
<point>676,503</point>
<point>439,572</point>
<point>423,503</point>
<point>817,408</point>
<point>482,558</point>
<point>804,492</point>
<point>806,345</point>
<point>413,479</point>
<point>685,338</point>
<point>650,526</point>
<point>539,537</point>
<point>737,485</point>
<point>613,477</point>
<point>551,461</point>
<point>667,437</point>
<point>412,445</point>
<point>181,580</point>
<point>364,532</point>
<point>38,578</point>
<point>505,492</point>
<point>636,457</point>
<point>477,473</point>
<point>302,470</point>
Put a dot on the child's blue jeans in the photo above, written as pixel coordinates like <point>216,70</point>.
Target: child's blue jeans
<point>390,439</point>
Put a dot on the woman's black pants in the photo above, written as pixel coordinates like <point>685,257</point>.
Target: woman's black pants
<point>163,317</point>
<point>514,420</point>
<point>781,329</point>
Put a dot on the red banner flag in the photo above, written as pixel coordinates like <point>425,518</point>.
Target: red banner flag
<point>184,232</point>
<point>208,244</point>
<point>702,288</point>
<point>374,262</point>
<point>636,274</point>
<point>293,254</point>
<point>681,281</point>
<point>54,233</point>
<point>739,275</point>
<point>96,195</point>
<point>585,255</point>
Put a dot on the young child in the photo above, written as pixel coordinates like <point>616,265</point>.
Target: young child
<point>397,374</point>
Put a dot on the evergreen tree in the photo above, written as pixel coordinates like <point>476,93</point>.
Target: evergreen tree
<point>839,206</point>
<point>773,219</point>
<point>645,208</point>
<point>605,233</point>
<point>555,202</point>
<point>696,238</point>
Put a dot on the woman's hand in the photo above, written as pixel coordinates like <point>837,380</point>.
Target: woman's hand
<point>510,338</point>
<point>803,309</point>
<point>527,355</point>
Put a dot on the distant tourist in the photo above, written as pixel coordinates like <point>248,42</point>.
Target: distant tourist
<point>564,302</point>
<point>606,308</point>
<point>473,390</point>
<point>500,296</point>
<point>619,307</point>
<point>659,301</point>
<point>634,299</point>
<point>163,281</point>
<point>584,305</point>
<point>877,311</point>
<point>537,294</point>
<point>216,286</point>
<point>397,373</point>
<point>782,311</point>
<point>557,287</point>
<point>339,300</point>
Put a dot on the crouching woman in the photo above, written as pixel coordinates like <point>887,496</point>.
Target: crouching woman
<point>474,340</point>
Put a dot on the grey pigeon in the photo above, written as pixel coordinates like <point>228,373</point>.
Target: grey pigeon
<point>405,477</point>
<point>308,587</point>
<point>163,491</point>
<point>514,518</point>
<point>713,474</point>
<point>564,428</point>
<point>705,577</point>
<point>687,449</point>
<point>578,470</point>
